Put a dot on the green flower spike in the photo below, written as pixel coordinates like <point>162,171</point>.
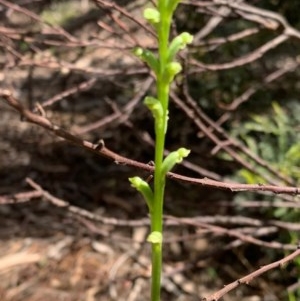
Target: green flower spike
<point>148,57</point>
<point>179,43</point>
<point>152,15</point>
<point>163,63</point>
<point>144,188</point>
<point>155,237</point>
<point>173,158</point>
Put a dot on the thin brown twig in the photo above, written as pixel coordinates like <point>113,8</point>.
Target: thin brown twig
<point>145,137</point>
<point>241,61</point>
<point>61,65</point>
<point>228,144</point>
<point>212,23</point>
<point>213,126</point>
<point>123,113</point>
<point>20,197</point>
<point>100,149</point>
<point>245,96</point>
<point>71,91</point>
<point>82,212</point>
<point>113,6</point>
<point>27,196</point>
<point>35,17</point>
<point>263,14</point>
<point>263,204</point>
<point>213,43</point>
<point>170,220</point>
<point>217,230</point>
<point>250,277</point>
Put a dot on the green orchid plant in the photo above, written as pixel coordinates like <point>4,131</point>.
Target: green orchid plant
<point>165,68</point>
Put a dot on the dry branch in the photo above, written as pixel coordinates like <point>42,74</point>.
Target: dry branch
<point>243,235</point>
<point>102,150</point>
<point>247,279</point>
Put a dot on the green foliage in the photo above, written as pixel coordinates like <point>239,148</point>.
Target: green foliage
<point>275,138</point>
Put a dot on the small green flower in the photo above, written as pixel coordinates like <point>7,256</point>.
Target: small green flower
<point>138,52</point>
<point>144,188</point>
<point>179,43</point>
<point>155,237</point>
<point>152,15</point>
<point>155,107</point>
<point>148,57</point>
<point>173,158</point>
<point>172,69</point>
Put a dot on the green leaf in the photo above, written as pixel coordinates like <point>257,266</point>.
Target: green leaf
<point>250,177</point>
<point>280,115</point>
<point>280,212</point>
<point>293,153</point>
<point>251,143</point>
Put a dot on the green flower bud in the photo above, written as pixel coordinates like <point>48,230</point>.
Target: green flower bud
<point>155,237</point>
<point>148,57</point>
<point>144,188</point>
<point>155,107</point>
<point>186,38</point>
<point>138,52</point>
<point>173,158</point>
<point>179,43</point>
<point>172,69</point>
<point>152,15</point>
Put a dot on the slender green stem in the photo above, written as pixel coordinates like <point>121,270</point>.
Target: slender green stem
<point>156,217</point>
<point>156,271</point>
<point>159,178</point>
